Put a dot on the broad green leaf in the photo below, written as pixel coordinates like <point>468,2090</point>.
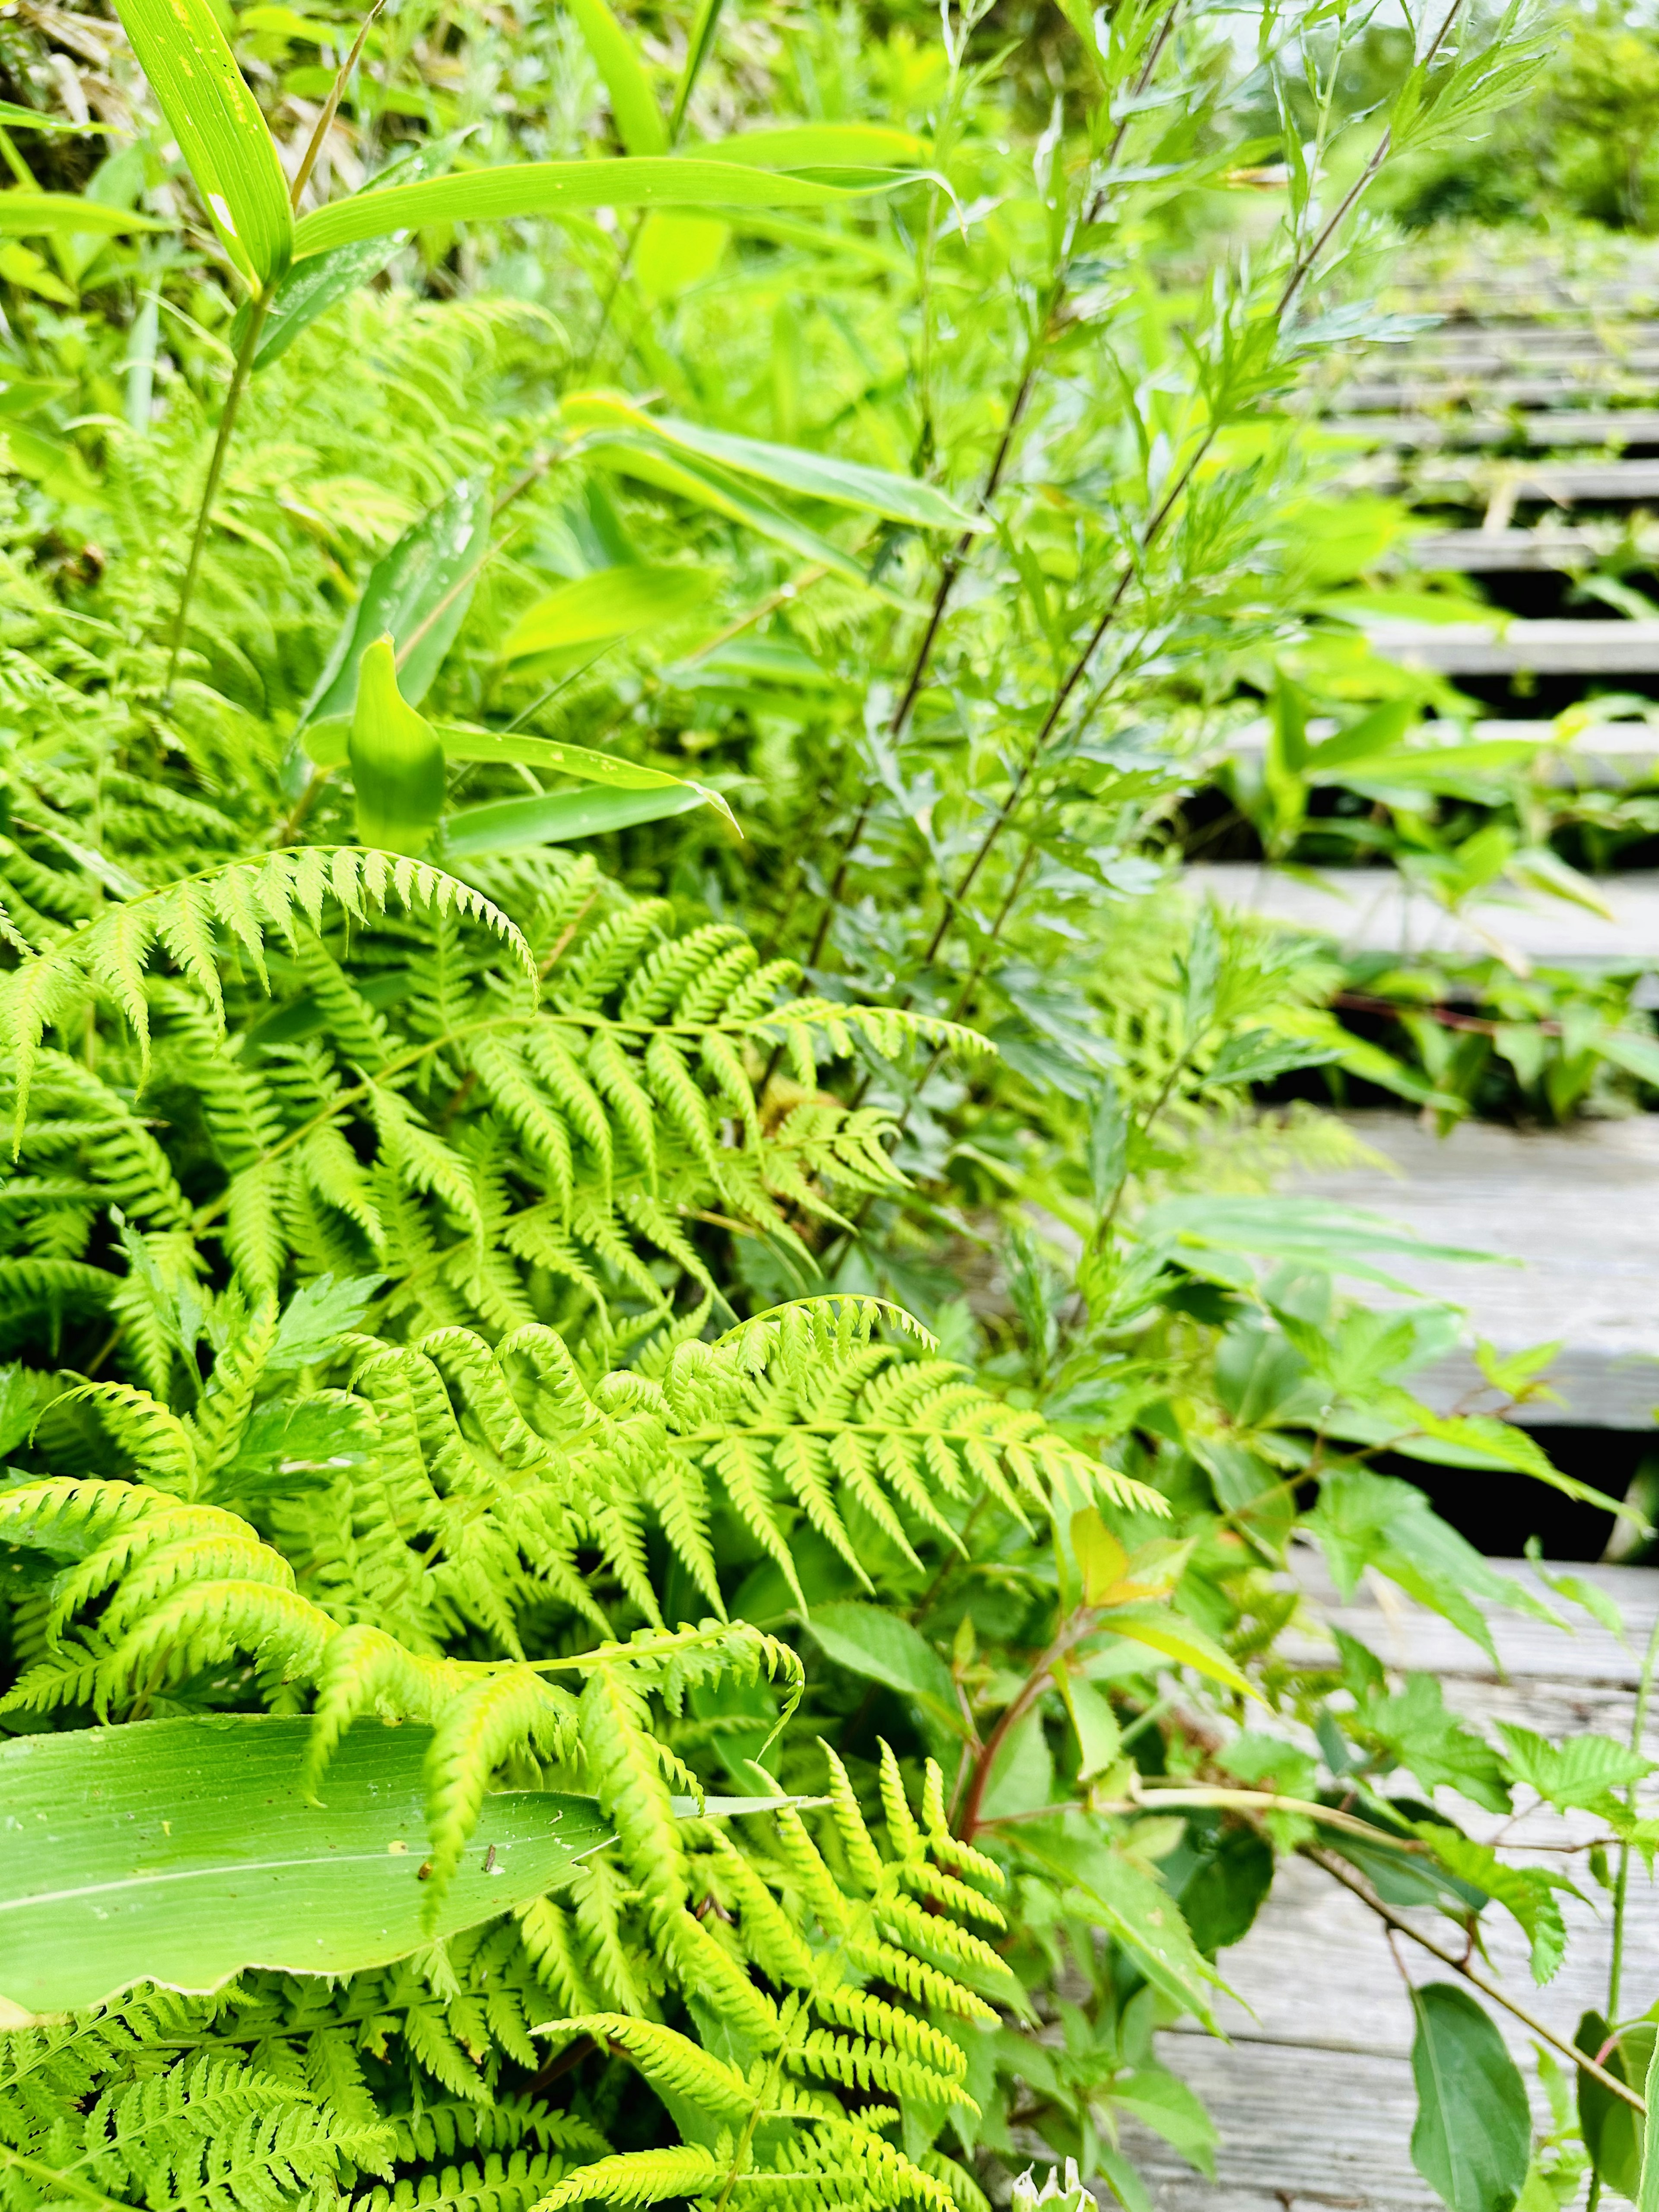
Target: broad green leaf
<point>514,825</point>
<point>816,476</point>
<point>1647,2191</point>
<point>397,762</point>
<point>633,104</point>
<point>182,1851</point>
<point>37,214</point>
<point>1473,2140</point>
<point>1020,1779</point>
<point>1613,2131</point>
<point>219,128</point>
<point>312,286</point>
<point>1440,768</point>
<point>1379,732</point>
<point>819,146</point>
<point>420,591</point>
<point>675,251</point>
<point>610,604</point>
<point>1101,1558</point>
<point>883,1647</point>
<point>1161,2101</point>
<point>309,290</point>
<point>552,188</point>
<point>1227,1888</point>
<point>1178,1639</point>
<point>1099,1739</point>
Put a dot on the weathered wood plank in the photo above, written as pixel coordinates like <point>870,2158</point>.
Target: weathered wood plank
<point>1564,426</point>
<point>1510,648</point>
<point>1515,482</point>
<point>1313,2097</point>
<point>1374,910</point>
<point>1299,2130</point>
<point>1412,395</point>
<point>1498,552</point>
<point>1579,1209</point>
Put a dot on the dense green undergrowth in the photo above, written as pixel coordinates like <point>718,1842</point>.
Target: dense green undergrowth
<point>624,1156</point>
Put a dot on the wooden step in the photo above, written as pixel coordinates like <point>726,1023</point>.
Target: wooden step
<point>1560,426</point>
<point>1578,1207</point>
<point>1599,755</point>
<point>1537,648</point>
<point>1412,395</point>
<point>1313,2097</point>
<point>1503,485</point>
<point>1500,552</point>
<point>1375,910</point>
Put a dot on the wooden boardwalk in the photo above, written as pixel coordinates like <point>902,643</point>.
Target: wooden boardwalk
<point>1313,2094</point>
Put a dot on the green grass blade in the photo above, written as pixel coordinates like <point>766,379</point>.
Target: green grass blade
<point>36,214</point>
<point>815,475</point>
<point>514,825</point>
<point>530,188</point>
<point>633,104</point>
<point>697,53</point>
<point>219,128</point>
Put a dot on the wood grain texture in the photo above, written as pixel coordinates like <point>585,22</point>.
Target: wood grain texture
<point>1313,2096</point>
<point>1332,2130</point>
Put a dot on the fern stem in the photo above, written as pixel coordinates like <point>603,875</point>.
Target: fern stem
<point>239,377</point>
<point>55,2178</point>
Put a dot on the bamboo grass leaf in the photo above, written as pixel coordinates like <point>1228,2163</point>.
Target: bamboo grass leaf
<point>816,476</point>
<point>39,214</point>
<point>220,130</point>
<point>185,1851</point>
<point>551,188</point>
<point>612,602</point>
<point>633,104</point>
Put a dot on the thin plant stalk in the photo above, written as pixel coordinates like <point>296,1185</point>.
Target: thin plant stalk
<point>1621,1884</point>
<point>957,558</point>
<point>239,377</point>
<point>1483,1982</point>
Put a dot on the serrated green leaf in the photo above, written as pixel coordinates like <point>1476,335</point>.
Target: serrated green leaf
<point>882,1647</point>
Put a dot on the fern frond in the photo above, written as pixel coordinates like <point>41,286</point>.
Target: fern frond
<point>248,900</point>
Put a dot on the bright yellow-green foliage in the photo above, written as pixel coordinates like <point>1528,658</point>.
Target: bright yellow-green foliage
<point>620,1157</point>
